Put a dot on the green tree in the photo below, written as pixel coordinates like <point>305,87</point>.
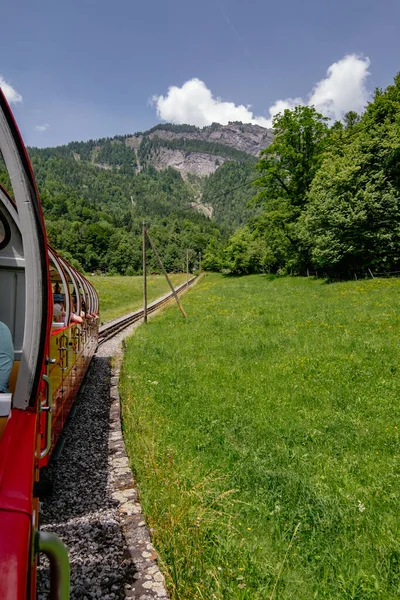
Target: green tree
<point>351,119</point>
<point>289,164</point>
<point>228,191</point>
<point>287,168</point>
<point>211,260</point>
<point>246,252</point>
<point>352,221</point>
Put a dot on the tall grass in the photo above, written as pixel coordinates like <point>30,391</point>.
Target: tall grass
<point>121,295</point>
<point>263,432</point>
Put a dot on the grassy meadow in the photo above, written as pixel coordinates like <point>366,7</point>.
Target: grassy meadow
<point>263,431</point>
<point>120,295</point>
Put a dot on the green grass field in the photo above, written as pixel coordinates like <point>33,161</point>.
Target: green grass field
<point>121,295</point>
<point>263,432</point>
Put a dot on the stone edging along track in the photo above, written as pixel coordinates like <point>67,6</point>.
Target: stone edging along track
<point>148,580</point>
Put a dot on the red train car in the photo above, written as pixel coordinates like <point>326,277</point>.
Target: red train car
<point>53,346</point>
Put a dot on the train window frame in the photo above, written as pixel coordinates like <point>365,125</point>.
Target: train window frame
<point>54,260</point>
<point>73,275</point>
<point>7,232</point>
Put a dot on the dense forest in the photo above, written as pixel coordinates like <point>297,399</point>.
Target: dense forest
<point>229,192</point>
<point>329,196</point>
<point>94,216</point>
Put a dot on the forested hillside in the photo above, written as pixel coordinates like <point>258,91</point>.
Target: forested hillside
<point>229,192</point>
<point>94,217</point>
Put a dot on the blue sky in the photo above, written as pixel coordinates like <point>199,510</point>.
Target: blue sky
<point>89,68</point>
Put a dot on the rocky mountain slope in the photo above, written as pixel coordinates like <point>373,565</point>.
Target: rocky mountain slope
<point>191,150</point>
<point>186,148</point>
<point>245,137</point>
<point>186,162</point>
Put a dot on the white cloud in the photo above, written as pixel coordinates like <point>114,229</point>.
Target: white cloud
<point>193,103</point>
<point>42,127</point>
<point>343,89</point>
<point>10,93</point>
<point>280,105</point>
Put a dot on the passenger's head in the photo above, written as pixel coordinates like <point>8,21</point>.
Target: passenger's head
<point>58,312</point>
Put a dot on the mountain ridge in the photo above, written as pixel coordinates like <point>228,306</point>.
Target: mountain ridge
<point>188,149</point>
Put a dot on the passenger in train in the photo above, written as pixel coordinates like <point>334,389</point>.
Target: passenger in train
<point>84,310</point>
<point>57,313</point>
<point>74,318</point>
<point>6,356</point>
<point>58,308</point>
<point>86,314</point>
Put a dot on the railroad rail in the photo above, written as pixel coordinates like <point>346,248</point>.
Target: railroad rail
<point>109,330</point>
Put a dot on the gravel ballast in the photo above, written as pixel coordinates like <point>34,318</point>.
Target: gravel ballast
<point>94,506</point>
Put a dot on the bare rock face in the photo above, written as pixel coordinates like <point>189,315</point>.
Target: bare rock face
<point>195,163</point>
<point>203,208</point>
<point>246,137</point>
<point>134,142</point>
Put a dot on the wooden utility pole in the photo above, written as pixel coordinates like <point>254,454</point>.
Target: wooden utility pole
<point>144,271</point>
<point>166,274</point>
<point>187,267</point>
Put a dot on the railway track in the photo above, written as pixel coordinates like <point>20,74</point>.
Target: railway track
<point>109,330</point>
<point>95,507</point>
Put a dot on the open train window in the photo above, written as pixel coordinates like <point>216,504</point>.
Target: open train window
<point>60,288</point>
<point>5,232</point>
